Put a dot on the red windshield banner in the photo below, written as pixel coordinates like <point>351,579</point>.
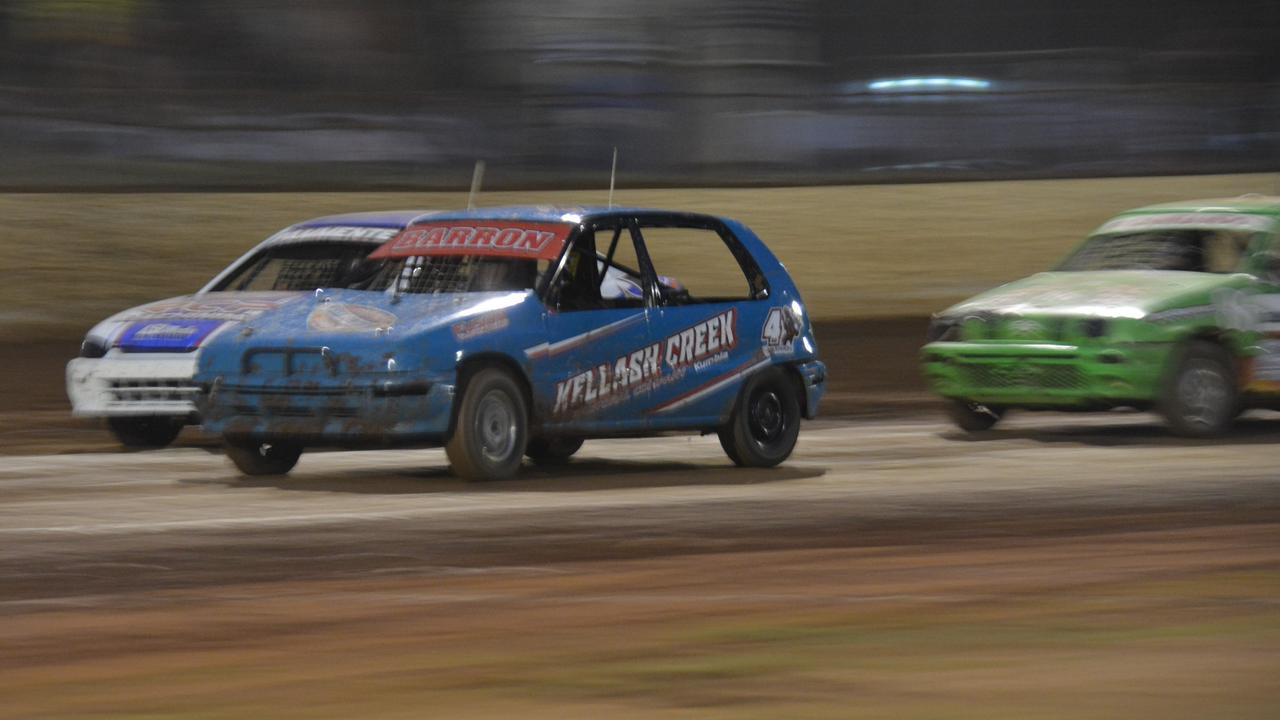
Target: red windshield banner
<point>541,241</point>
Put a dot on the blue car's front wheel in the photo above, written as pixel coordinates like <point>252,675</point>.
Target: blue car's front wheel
<point>491,429</point>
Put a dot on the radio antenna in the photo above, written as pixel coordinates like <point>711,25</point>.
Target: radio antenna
<point>477,177</point>
<point>613,174</point>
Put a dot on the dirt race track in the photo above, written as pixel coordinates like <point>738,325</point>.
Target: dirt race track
<point>1060,567</point>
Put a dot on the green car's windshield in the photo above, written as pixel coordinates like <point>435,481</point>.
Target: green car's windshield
<point>1188,250</point>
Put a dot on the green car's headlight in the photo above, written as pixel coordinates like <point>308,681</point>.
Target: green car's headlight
<point>941,329</point>
<point>1094,327</point>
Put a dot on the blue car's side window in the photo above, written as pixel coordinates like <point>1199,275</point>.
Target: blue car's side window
<point>707,321</point>
<point>696,264</point>
<point>597,360</point>
<point>601,271</point>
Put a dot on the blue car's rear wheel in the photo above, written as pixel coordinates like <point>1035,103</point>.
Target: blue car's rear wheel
<point>765,423</point>
<point>552,450</point>
<point>491,429</point>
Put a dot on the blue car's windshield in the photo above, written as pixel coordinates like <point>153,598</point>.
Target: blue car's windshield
<point>456,274</point>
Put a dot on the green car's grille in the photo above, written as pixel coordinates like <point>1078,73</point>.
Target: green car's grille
<point>993,326</point>
<point>1053,377</point>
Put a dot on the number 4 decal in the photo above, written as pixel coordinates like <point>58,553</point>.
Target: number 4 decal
<point>781,328</point>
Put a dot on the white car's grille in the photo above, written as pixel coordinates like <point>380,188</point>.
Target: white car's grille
<point>152,390</point>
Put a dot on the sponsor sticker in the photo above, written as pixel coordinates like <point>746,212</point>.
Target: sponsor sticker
<point>696,347</point>
<point>1267,367</point>
<point>335,233</point>
<point>481,325</point>
<point>167,335</point>
<point>503,239</point>
<point>344,317</point>
<point>780,330</point>
<point>207,308</point>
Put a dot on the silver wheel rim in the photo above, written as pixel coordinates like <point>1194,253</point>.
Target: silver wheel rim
<point>1203,393</point>
<point>496,427</point>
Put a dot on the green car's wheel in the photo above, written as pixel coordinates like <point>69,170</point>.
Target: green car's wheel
<point>264,458</point>
<point>553,450</point>
<point>491,430</point>
<point>1201,397</point>
<point>765,423</point>
<point>147,432</point>
<point>973,417</point>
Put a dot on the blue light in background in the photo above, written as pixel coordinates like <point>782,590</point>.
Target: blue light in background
<point>930,83</point>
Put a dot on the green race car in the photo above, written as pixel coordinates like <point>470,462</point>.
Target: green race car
<point>1174,308</point>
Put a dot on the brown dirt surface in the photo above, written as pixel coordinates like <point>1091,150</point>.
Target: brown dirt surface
<point>1100,624</point>
<point>1058,567</point>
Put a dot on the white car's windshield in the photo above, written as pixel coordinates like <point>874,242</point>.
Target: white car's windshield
<point>299,266</point>
<point>1207,251</point>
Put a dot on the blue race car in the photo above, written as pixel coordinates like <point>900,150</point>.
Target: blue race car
<point>509,332</point>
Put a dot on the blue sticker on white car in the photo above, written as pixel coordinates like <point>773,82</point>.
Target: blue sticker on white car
<point>167,335</point>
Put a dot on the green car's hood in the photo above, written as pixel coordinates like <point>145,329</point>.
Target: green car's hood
<point>1105,293</point>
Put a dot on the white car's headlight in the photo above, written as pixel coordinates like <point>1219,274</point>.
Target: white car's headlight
<point>93,348</point>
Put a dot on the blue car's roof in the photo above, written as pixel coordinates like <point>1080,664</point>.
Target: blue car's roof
<point>376,219</point>
<point>547,213</point>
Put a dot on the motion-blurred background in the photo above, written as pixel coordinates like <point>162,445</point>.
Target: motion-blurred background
<point>380,94</point>
<point>897,155</point>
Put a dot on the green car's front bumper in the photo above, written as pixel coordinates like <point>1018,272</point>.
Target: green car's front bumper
<point>1046,375</point>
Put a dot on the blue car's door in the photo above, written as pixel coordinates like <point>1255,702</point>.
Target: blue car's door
<point>597,360</point>
<point>710,313</point>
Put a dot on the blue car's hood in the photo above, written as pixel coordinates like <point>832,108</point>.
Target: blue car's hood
<point>365,330</point>
<point>344,317</point>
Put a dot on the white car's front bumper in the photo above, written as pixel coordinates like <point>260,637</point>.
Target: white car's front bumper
<point>132,384</point>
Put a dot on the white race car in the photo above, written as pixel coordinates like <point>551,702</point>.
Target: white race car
<point>135,367</point>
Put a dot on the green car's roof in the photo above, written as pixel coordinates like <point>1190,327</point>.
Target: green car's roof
<point>1252,204</point>
<point>1247,213</point>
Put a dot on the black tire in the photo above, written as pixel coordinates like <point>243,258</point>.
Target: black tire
<point>552,450</point>
<point>765,423</point>
<point>491,429</point>
<point>146,432</point>
<point>264,458</point>
<point>972,416</point>
<point>1201,396</point>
